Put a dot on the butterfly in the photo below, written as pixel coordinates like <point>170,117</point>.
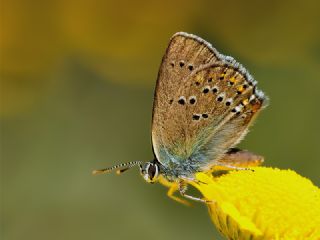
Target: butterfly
<point>204,103</point>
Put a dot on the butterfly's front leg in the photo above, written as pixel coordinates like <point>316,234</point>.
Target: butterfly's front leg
<point>172,189</point>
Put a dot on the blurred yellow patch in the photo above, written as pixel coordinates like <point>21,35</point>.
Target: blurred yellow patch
<point>264,204</point>
<point>117,40</point>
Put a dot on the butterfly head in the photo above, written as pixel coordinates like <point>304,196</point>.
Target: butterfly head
<point>150,171</point>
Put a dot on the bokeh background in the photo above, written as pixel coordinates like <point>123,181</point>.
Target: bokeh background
<point>77,80</point>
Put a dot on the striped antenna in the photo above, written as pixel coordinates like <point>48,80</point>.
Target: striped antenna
<point>122,167</point>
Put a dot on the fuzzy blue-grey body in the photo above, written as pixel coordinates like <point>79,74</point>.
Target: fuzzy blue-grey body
<point>179,168</point>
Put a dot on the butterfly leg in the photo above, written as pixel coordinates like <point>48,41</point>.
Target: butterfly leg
<point>172,189</point>
<point>230,167</point>
<point>190,179</point>
<point>183,188</point>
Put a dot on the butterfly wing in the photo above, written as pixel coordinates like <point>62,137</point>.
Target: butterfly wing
<point>199,115</point>
<point>240,158</point>
<point>226,103</point>
<point>185,53</point>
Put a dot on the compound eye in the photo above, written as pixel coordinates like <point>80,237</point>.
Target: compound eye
<point>152,170</point>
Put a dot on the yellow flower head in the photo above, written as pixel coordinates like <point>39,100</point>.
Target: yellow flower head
<point>262,204</point>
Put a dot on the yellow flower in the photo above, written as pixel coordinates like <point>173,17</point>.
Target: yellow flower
<point>262,204</point>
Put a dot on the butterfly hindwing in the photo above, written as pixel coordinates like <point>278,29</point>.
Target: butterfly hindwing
<point>225,100</point>
<point>241,158</point>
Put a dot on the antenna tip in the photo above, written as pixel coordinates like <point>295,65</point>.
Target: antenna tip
<point>96,172</point>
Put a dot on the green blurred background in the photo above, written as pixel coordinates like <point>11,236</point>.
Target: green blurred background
<point>77,80</point>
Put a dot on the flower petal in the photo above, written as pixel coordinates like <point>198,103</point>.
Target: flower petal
<point>265,203</point>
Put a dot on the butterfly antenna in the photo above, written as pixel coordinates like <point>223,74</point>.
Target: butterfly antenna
<point>122,167</point>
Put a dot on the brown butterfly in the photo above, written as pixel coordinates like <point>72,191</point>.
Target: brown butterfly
<point>204,103</point>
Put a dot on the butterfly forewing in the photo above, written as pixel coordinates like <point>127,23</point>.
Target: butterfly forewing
<point>184,54</point>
